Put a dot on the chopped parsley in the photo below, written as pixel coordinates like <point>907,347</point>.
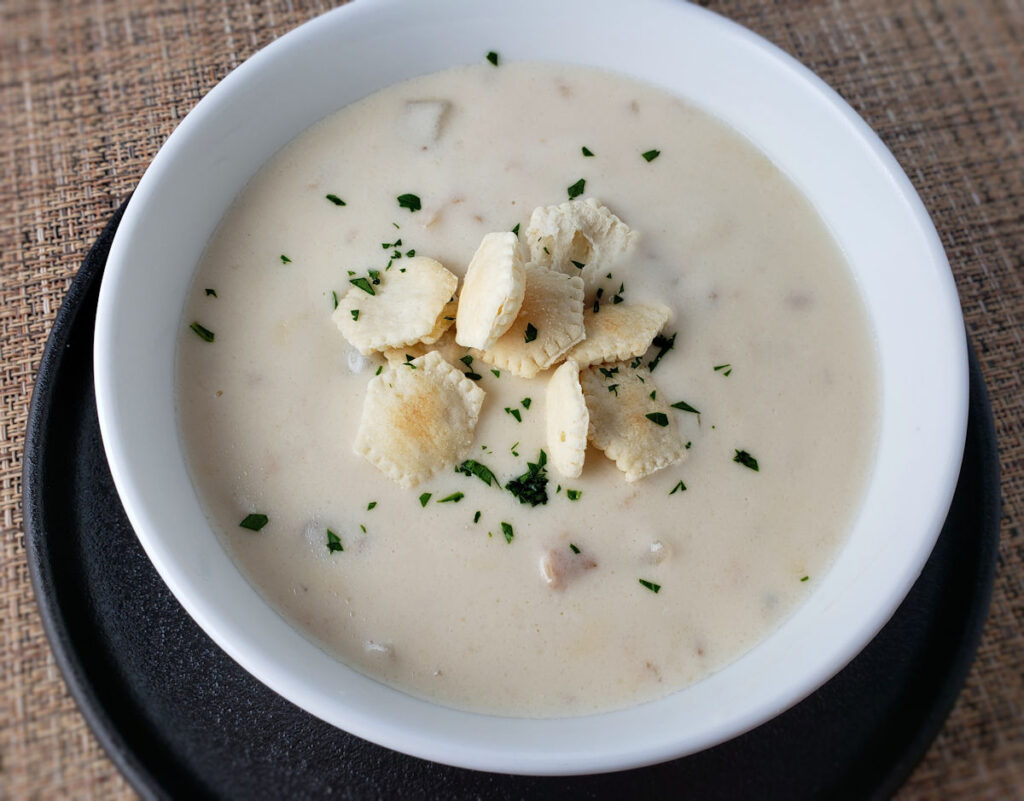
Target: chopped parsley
<point>597,306</point>
<point>573,495</point>
<point>513,449</point>
<point>410,253</point>
<point>658,418</point>
<point>337,201</point>
<point>334,297</point>
<point>577,188</point>
<point>363,284</point>
<point>614,388</point>
<point>526,402</point>
<point>655,588</point>
<point>497,373</point>
<point>379,368</point>
<point>805,578</point>
<point>515,229</point>
<point>726,367</point>
<point>474,468</point>
<point>493,58</point>
<point>467,360</point>
<point>211,292</point>
<point>531,486</point>
<point>531,333</point>
<point>374,277</point>
<point>333,542</point>
<point>587,152</point>
<point>370,505</point>
<point>664,345</point>
<point>515,413</point>
<point>476,517</point>
<point>202,332</point>
<point>254,522</point>
<point>684,406</point>
<point>425,498</point>
<point>608,372</point>
<point>285,259</point>
<point>362,528</point>
<point>654,394</point>
<point>651,155</point>
<point>474,376</point>
<point>577,264</point>
<point>573,548</point>
<point>506,529</point>
<point>355,314</point>
<point>680,487</point>
<point>746,460</point>
<point>409,201</point>
<point>455,497</point>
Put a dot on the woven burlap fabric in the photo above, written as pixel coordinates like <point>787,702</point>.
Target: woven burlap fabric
<point>89,89</point>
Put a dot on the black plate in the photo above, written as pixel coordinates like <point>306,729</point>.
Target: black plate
<point>182,720</point>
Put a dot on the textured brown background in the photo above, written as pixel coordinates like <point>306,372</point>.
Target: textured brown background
<point>89,89</point>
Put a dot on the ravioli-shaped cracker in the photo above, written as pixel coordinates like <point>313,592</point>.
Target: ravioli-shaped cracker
<point>579,237</point>
<point>407,306</point>
<point>549,322</point>
<point>492,291</point>
<point>638,432</point>
<point>567,420</point>
<point>618,331</point>
<point>418,418</point>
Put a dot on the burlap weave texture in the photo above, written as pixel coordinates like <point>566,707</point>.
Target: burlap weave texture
<point>89,89</point>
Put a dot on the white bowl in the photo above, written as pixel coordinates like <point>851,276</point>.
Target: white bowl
<point>801,124</point>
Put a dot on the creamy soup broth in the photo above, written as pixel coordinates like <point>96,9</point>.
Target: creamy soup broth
<point>423,597</point>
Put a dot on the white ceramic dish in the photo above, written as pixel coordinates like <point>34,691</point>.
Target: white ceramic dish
<point>801,124</point>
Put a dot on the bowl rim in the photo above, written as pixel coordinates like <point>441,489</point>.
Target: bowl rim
<point>410,725</point>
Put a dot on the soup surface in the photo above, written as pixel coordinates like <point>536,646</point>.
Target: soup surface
<point>772,347</point>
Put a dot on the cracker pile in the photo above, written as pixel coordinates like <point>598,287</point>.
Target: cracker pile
<point>420,412</point>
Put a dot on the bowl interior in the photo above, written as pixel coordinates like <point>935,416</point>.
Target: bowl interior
<point>803,126</point>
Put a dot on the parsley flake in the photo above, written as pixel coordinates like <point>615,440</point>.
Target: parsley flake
<point>573,495</point>
<point>493,58</point>
<point>476,517</point>
<point>202,332</point>
<point>526,402</point>
<point>371,505</point>
<point>285,259</point>
<point>531,333</point>
<point>474,468</point>
<point>515,413</point>
<point>651,155</point>
<point>684,406</point>
<point>805,578</point>
<point>333,542</point>
<point>577,188</point>
<point>573,548</point>
<point>658,418</point>
<point>425,498</point>
<point>506,529</point>
<point>515,229</point>
<point>254,522</point>
<point>746,460</point>
<point>680,487</point>
<point>334,297</point>
<point>497,373</point>
<point>211,292</point>
<point>363,284</point>
<point>664,345</point>
<point>455,497</point>
<point>355,314</point>
<point>409,201</point>
<point>587,152</point>
<point>337,201</point>
<point>726,367</point>
<point>655,588</point>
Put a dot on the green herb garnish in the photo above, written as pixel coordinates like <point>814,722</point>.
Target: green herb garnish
<point>726,367</point>
<point>493,58</point>
<point>497,373</point>
<point>425,498</point>
<point>254,522</point>
<point>474,468</point>
<point>211,292</point>
<point>684,406</point>
<point>531,486</point>
<point>587,152</point>
<point>355,314</point>
<point>379,368</point>
<point>467,360</point>
<point>526,402</point>
<point>531,333</point>
<point>334,296</point>
<point>202,332</point>
<point>655,588</point>
<point>476,517</point>
<point>664,345</point>
<point>577,188</point>
<point>333,542</point>
<point>409,201</point>
<point>573,548</point>
<point>805,578</point>
<point>577,264</point>
<point>515,413</point>
<point>658,418</point>
<point>363,284</point>
<point>746,460</point>
<point>573,495</point>
<point>506,529</point>
<point>337,201</point>
<point>370,505</point>
<point>614,388</point>
<point>285,259</point>
<point>651,155</point>
<point>455,497</point>
<point>608,372</point>
<point>515,229</point>
<point>680,487</point>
